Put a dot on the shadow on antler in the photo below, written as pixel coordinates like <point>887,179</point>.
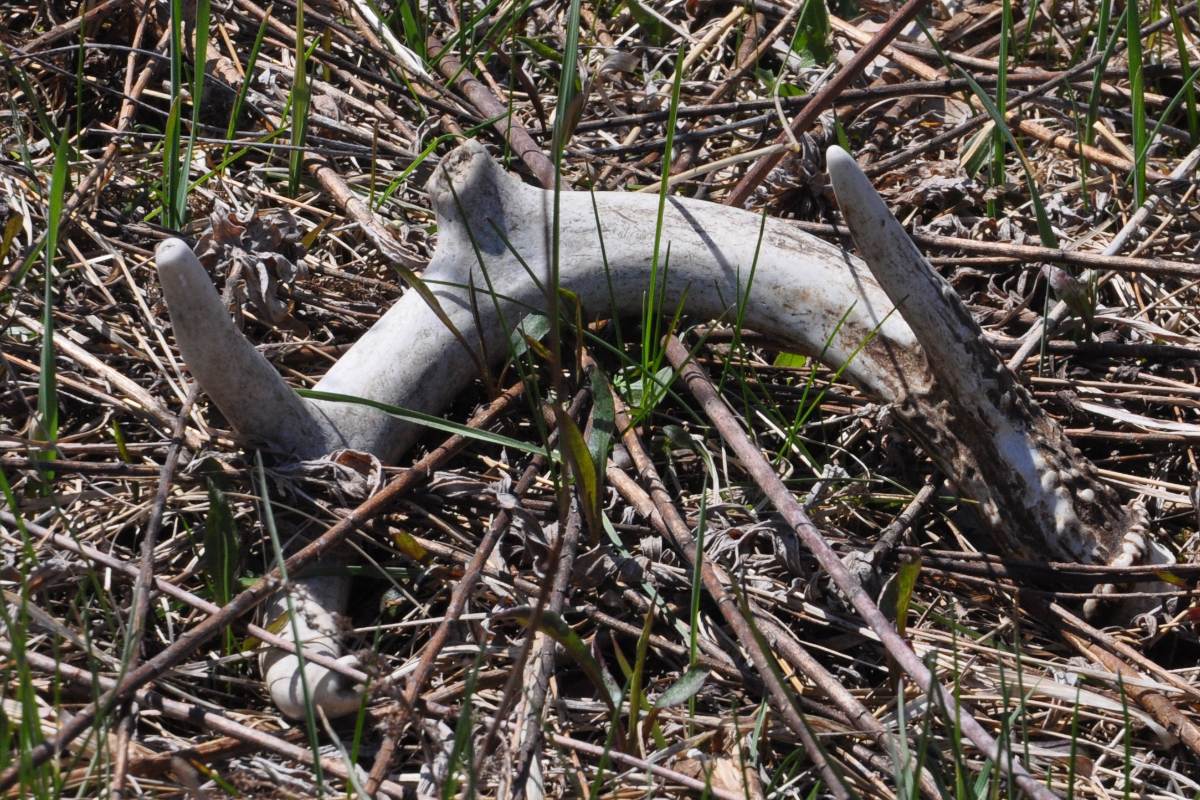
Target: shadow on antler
<point>1036,493</point>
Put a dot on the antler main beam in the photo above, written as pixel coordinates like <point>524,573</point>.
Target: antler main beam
<point>904,337</point>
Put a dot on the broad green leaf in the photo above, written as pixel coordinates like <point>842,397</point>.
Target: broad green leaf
<point>684,689</point>
<point>533,328</point>
<point>275,626</point>
<point>538,349</point>
<point>604,422</point>
<point>541,50</point>
<point>1171,578</point>
<point>556,628</point>
<point>580,461</point>
<point>643,392</point>
<point>678,438</point>
<point>15,221</point>
<point>906,581</point>
<point>811,41</point>
<point>221,541</point>
<point>411,547</point>
<point>790,360</point>
<point>652,28</point>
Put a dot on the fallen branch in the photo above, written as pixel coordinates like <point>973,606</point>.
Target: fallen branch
<point>262,589</point>
<point>764,475</point>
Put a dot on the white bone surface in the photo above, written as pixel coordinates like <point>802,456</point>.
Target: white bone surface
<point>1037,495</point>
<point>997,446</point>
<point>316,604</point>
<point>802,287</point>
<point>236,377</point>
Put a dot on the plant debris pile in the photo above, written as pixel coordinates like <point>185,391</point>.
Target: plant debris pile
<point>526,634</point>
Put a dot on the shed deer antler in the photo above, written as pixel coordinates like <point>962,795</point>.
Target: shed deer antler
<point>1037,495</point>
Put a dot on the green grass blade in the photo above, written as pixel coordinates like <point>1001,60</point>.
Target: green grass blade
<point>1179,97</point>
<point>579,459</point>
<point>650,329</point>
<point>1074,740</point>
<point>48,384</point>
<point>172,161</point>
<point>1049,239</point>
<point>553,625</point>
<point>1137,93</point>
<point>300,102</point>
<point>240,99</point>
<point>200,51</point>
<point>748,614</point>
<point>564,118</point>
<point>414,33</point>
<point>221,542</point>
<point>1098,81</point>
<point>221,545</point>
<point>996,206</point>
<point>48,128</point>
<point>1189,86</point>
<point>905,585</point>
<point>173,176</point>
<point>1185,64</point>
<point>698,578</point>
<point>604,421</point>
<point>437,423</point>
<point>15,619</point>
<point>743,299</point>
<point>268,518</point>
<point>638,676</point>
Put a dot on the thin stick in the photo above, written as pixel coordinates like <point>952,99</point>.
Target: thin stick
<point>466,585</point>
<point>505,123</point>
<point>600,751</point>
<point>1027,253</point>
<point>191,640</point>
<point>171,590</point>
<point>824,99</point>
<point>142,584</point>
<point>716,581</point>
<point>780,638</point>
<point>193,714</point>
<point>1079,70</point>
<point>132,94</point>
<point>758,467</point>
<point>1059,312</point>
<point>1119,647</point>
<point>1152,701</point>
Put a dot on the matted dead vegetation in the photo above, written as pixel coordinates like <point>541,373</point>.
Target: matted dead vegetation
<point>483,594</point>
